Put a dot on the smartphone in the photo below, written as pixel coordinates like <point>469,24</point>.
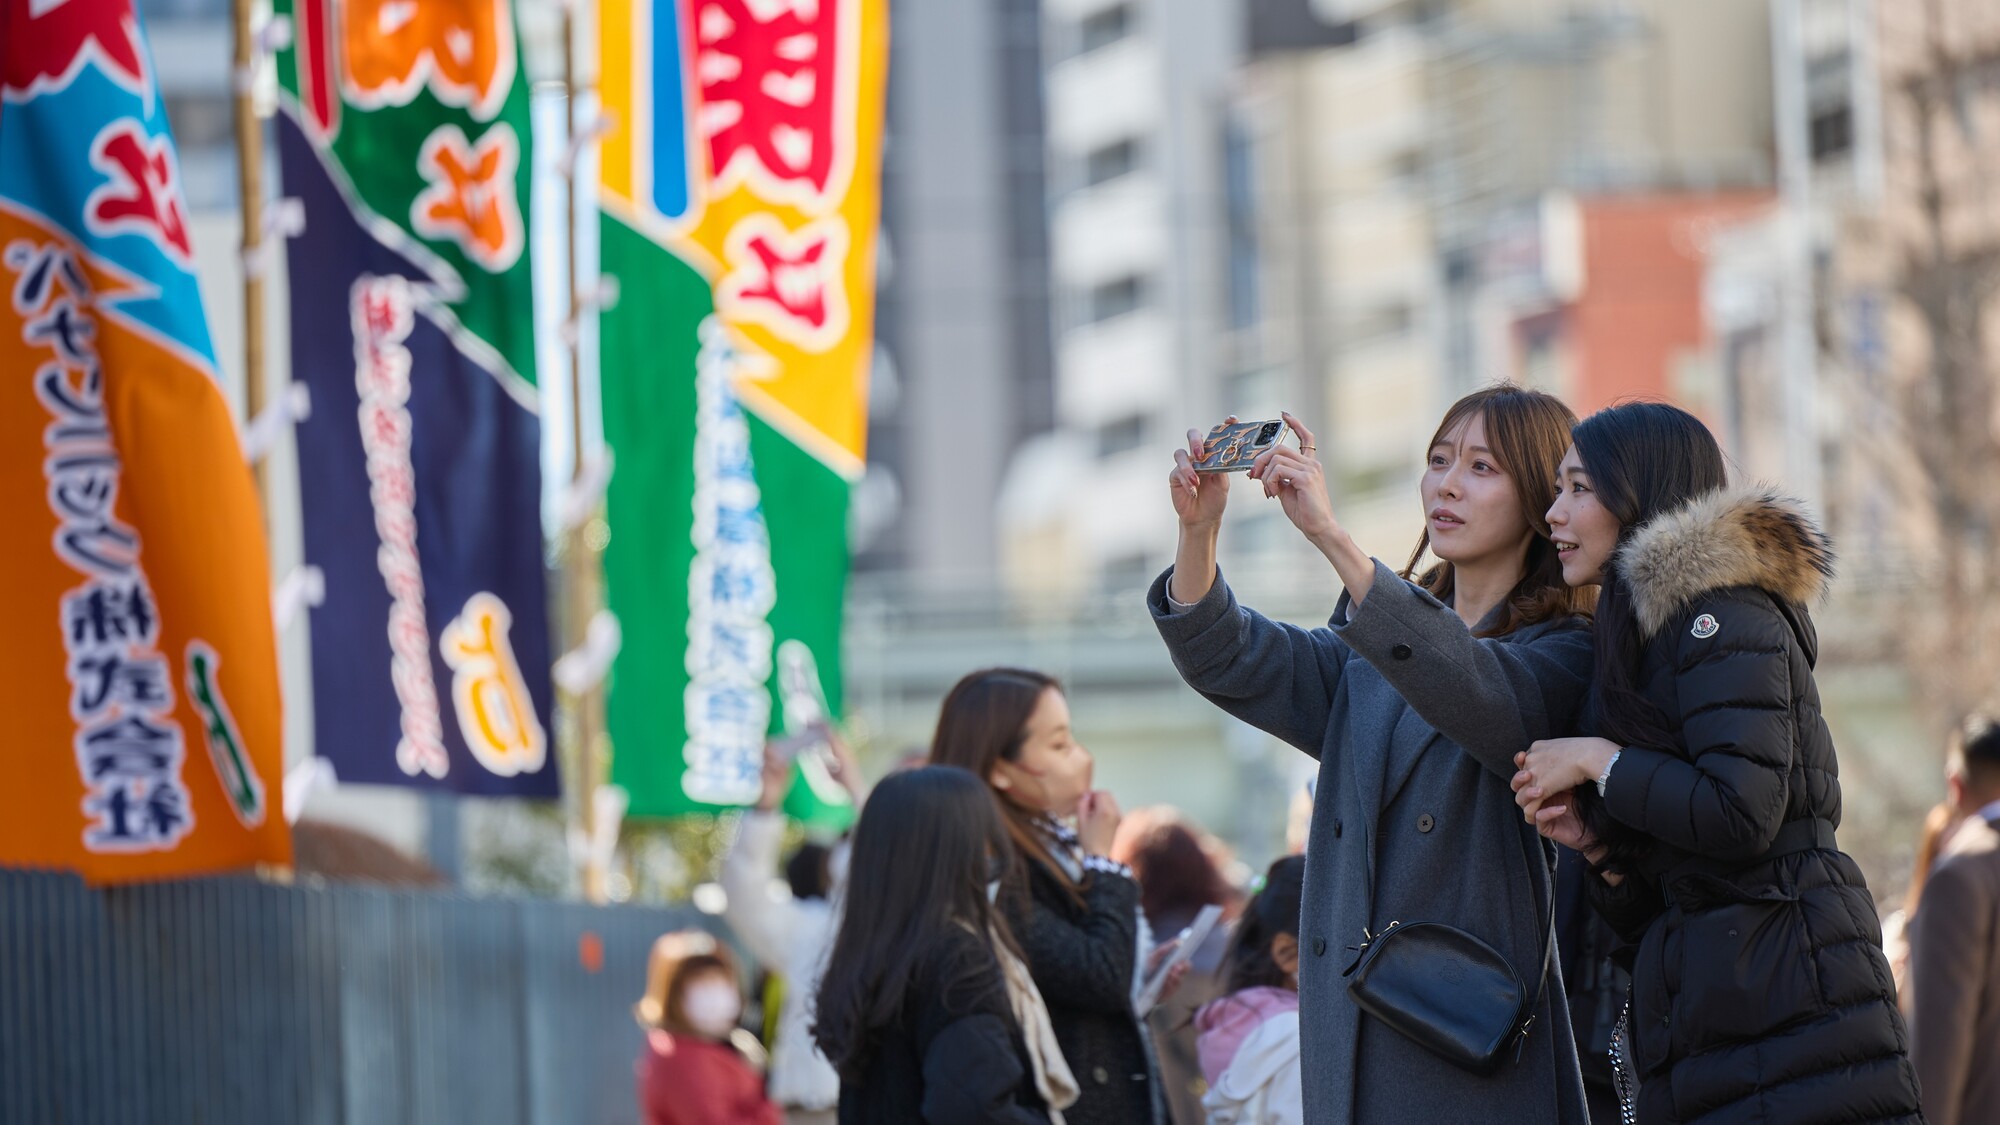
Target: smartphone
<point>799,744</point>
<point>1233,446</point>
<point>1189,941</point>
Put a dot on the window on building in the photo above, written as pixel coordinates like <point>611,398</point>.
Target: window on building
<point>1104,27</point>
<point>1121,436</point>
<point>1110,161</point>
<point>1832,132</point>
<point>1116,298</point>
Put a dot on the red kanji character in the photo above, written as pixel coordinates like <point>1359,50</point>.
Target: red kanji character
<point>769,72</point>
<point>790,281</point>
<point>48,43</point>
<point>142,193</point>
<point>463,49</point>
<point>472,196</point>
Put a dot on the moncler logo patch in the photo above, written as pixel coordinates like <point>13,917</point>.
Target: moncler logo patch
<point>1706,626</point>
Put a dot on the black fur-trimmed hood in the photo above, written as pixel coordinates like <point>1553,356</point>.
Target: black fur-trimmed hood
<point>1752,536</point>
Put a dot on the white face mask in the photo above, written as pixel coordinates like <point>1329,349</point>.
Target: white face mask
<point>993,891</point>
<point>711,1007</point>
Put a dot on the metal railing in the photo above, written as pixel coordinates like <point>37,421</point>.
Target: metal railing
<point>232,1000</point>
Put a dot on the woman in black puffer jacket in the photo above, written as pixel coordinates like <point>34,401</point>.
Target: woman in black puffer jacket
<point>1759,988</point>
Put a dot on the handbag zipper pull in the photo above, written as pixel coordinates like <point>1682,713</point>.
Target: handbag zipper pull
<point>1368,938</point>
<point>1521,1039</point>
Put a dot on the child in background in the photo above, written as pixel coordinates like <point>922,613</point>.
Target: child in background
<point>692,1071</point>
<point>1249,1041</point>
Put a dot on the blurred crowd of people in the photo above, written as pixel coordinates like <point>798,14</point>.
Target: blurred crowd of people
<point>1570,852</point>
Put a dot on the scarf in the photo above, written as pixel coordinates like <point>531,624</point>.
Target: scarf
<point>1053,1079</point>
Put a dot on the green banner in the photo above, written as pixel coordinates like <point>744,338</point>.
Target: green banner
<point>740,202</point>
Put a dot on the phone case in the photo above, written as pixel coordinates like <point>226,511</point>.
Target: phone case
<point>1232,446</point>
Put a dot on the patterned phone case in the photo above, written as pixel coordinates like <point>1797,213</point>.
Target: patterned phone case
<point>1232,446</point>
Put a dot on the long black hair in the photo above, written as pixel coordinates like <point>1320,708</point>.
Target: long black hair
<point>928,842</point>
<point>1644,459</point>
<point>1274,910</point>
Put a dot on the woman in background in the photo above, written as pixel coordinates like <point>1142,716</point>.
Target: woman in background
<point>1178,876</point>
<point>1250,1037</point>
<point>925,1008</point>
<point>1074,908</point>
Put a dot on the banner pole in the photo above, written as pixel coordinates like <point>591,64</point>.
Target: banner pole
<point>582,572</point>
<point>250,184</point>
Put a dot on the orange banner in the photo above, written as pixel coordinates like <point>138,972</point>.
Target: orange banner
<point>140,671</point>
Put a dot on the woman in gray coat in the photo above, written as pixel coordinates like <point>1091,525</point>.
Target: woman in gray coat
<point>1414,698</point>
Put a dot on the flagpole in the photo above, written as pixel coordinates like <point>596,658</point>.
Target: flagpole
<point>582,573</point>
<point>250,184</point>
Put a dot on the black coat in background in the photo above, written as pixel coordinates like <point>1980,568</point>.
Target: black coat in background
<point>1083,956</point>
<point>1760,992</point>
<point>956,1057</point>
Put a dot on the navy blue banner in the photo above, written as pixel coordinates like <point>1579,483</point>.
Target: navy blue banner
<point>420,477</point>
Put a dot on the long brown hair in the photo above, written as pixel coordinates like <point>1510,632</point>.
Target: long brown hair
<point>1528,431</point>
<point>984,721</point>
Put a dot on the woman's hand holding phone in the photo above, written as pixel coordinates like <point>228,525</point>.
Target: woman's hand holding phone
<point>1297,479</point>
<point>1199,498</point>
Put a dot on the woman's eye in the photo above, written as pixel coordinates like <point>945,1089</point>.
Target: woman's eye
<point>1437,462</point>
<point>1482,466</point>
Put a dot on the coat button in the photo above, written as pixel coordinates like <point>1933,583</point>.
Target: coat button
<point>1319,947</point>
<point>1102,1075</point>
<point>1425,823</point>
<point>1400,652</point>
<point>1336,828</point>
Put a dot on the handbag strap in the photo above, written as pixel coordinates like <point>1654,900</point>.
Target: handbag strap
<point>1532,848</point>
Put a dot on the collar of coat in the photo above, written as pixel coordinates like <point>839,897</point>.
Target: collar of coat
<point>1752,536</point>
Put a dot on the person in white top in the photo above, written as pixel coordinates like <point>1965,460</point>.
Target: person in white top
<point>790,934</point>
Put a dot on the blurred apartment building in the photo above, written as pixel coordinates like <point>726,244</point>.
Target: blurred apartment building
<point>963,371</point>
<point>1360,209</point>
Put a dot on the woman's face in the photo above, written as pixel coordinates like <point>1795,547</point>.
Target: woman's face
<point>1471,507</point>
<point>1053,771</point>
<point>1584,530</point>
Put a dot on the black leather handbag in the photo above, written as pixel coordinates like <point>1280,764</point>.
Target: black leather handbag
<point>1447,990</point>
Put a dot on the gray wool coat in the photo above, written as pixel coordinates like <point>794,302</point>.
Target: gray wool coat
<point>1415,723</point>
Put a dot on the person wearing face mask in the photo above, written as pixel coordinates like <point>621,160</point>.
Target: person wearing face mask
<point>1414,698</point>
<point>1074,909</point>
<point>692,1071</point>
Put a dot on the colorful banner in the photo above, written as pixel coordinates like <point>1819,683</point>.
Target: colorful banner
<point>740,191</point>
<point>140,675</point>
<point>405,135</point>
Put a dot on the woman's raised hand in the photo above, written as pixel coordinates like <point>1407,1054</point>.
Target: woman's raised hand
<point>1097,820</point>
<point>1199,498</point>
<point>1296,478</point>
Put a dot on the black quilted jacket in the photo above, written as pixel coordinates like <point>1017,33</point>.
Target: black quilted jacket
<point>1760,990</point>
<point>1082,956</point>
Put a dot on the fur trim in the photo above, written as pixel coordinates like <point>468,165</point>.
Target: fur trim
<point>1754,536</point>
